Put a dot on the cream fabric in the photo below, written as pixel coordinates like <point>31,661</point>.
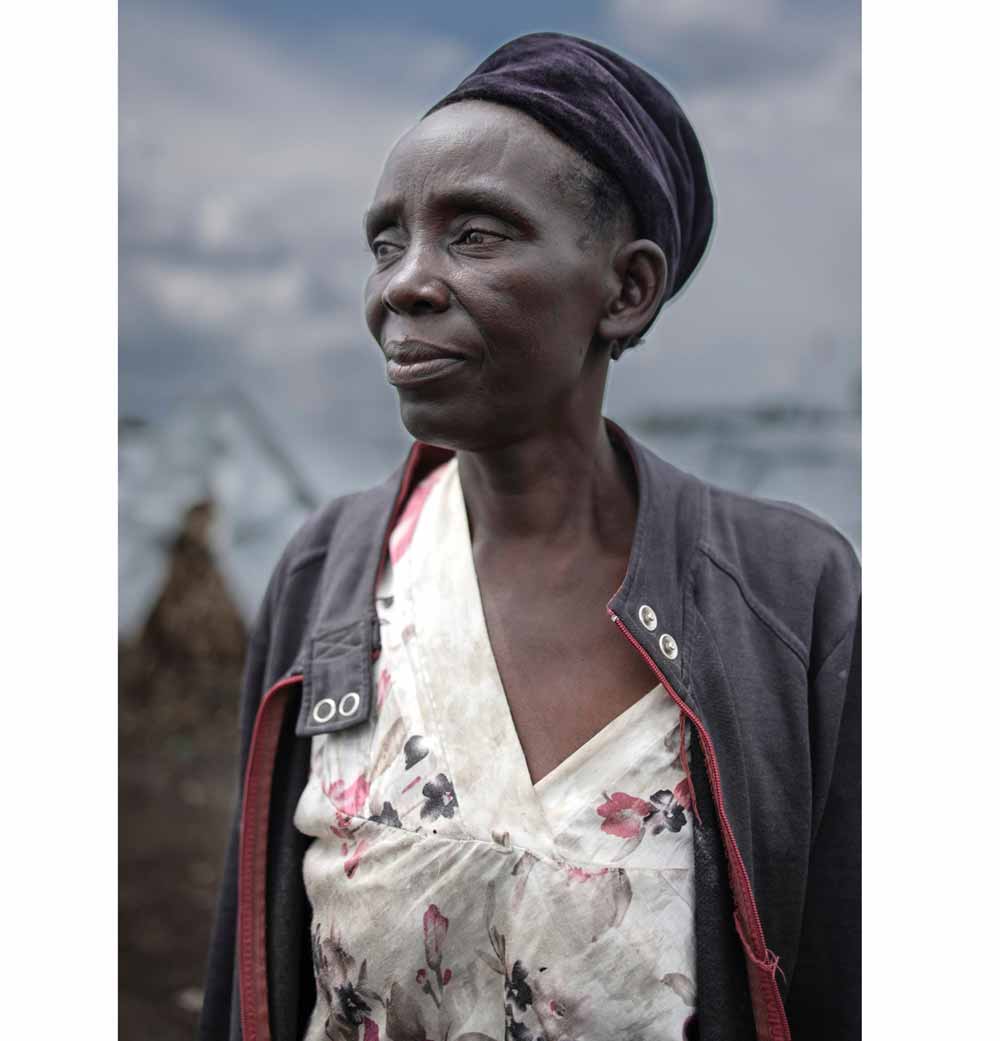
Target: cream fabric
<point>452,898</point>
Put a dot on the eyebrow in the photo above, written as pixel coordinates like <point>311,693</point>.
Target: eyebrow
<point>467,197</point>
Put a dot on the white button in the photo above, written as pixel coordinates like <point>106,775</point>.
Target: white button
<point>325,710</point>
<point>648,617</point>
<point>668,646</point>
<point>349,703</point>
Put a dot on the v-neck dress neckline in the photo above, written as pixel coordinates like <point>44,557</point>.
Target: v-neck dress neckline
<point>451,896</point>
<point>438,578</point>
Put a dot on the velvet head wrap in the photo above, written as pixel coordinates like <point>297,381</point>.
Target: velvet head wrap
<point>619,118</point>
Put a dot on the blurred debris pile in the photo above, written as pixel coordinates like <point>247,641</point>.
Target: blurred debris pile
<point>183,670</point>
<point>178,687</point>
<point>207,502</point>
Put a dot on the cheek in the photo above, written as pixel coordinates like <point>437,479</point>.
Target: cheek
<point>374,311</point>
<point>549,316</point>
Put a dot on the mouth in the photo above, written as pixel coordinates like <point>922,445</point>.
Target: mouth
<point>414,361</point>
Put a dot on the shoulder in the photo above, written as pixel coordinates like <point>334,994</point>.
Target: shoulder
<point>345,526</point>
<point>311,544</point>
<point>795,569</point>
<point>745,562</point>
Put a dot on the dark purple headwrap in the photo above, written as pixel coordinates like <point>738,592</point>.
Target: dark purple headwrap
<point>618,117</point>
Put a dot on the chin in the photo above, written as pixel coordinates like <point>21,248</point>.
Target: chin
<point>448,424</point>
<point>434,422</point>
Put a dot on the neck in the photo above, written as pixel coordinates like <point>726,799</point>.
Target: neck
<point>564,486</point>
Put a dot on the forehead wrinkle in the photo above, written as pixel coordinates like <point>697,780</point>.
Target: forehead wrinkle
<point>500,130</point>
<point>475,149</point>
<point>456,187</point>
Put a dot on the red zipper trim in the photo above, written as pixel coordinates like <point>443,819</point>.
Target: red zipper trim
<point>251,921</point>
<point>756,948</point>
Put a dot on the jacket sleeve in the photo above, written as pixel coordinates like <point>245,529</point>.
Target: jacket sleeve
<point>220,1010</point>
<point>824,995</point>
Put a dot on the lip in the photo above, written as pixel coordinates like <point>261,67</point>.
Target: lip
<point>416,361</point>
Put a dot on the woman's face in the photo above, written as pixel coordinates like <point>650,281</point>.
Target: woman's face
<point>485,293</point>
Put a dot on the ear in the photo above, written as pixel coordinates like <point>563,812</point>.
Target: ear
<point>639,282</point>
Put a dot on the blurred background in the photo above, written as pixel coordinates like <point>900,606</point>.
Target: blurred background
<point>251,135</point>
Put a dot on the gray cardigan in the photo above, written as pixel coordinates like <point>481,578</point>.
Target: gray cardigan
<point>762,601</point>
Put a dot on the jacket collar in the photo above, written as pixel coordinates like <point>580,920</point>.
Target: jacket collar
<point>343,640</point>
<point>668,528</point>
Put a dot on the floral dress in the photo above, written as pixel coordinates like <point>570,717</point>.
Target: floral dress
<point>452,898</point>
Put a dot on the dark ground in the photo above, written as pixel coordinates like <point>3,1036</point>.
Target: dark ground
<point>178,689</point>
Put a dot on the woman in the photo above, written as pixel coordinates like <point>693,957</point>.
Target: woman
<point>544,738</point>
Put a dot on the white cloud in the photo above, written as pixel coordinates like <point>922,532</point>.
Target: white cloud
<point>225,301</point>
<point>244,174</point>
<point>645,23</point>
<point>775,308</point>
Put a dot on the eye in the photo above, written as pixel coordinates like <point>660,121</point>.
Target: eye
<point>382,249</point>
<point>478,237</point>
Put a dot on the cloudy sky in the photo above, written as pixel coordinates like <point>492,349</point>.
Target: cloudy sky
<point>252,133</point>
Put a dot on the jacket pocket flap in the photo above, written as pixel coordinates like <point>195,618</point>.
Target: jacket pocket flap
<point>336,684</point>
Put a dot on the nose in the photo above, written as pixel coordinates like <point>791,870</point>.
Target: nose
<point>415,286</point>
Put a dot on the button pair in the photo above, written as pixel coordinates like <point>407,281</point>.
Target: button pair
<point>668,645</point>
<point>327,708</point>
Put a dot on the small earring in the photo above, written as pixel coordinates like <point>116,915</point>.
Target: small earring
<point>616,350</point>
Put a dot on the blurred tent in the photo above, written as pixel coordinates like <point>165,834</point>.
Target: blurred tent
<point>216,453</point>
<point>219,451</point>
<point>809,455</point>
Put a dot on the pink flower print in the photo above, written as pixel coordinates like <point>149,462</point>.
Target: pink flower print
<point>623,814</point>
<point>349,800</point>
<point>342,826</point>
<point>384,682</point>
<point>682,793</point>
<point>371,1030</point>
<point>351,862</point>
<point>422,977</point>
<point>561,1011</point>
<point>579,874</point>
<point>435,931</point>
<point>402,533</point>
